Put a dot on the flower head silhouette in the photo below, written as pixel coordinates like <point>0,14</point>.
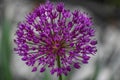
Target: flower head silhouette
<point>54,37</point>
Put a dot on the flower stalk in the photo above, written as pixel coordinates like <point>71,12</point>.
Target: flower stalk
<point>60,77</point>
<point>59,66</point>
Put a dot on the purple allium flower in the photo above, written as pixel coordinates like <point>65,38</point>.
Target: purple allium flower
<point>54,37</point>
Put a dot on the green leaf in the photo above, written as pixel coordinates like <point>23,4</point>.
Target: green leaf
<point>97,70</point>
<point>5,52</point>
<point>46,76</point>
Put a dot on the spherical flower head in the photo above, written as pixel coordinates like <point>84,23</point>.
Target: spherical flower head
<point>54,37</point>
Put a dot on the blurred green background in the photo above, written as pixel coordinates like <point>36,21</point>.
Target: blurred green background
<point>104,66</point>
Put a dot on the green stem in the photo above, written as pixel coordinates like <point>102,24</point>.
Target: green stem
<point>60,77</point>
<point>59,65</point>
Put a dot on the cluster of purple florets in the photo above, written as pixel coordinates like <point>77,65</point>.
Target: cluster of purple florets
<point>53,37</point>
